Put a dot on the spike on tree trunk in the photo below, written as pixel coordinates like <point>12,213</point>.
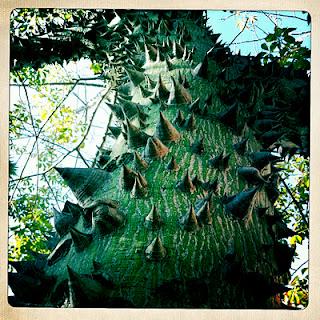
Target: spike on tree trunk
<point>180,261</point>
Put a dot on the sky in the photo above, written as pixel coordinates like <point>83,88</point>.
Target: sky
<point>229,25</point>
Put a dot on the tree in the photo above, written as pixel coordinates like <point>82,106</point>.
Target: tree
<point>180,212</point>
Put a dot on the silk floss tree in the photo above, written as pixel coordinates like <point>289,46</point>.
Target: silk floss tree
<point>179,212</point>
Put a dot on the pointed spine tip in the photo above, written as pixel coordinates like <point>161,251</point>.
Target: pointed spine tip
<point>179,119</point>
<point>153,219</point>
<point>186,184</point>
<point>173,165</point>
<point>106,219</point>
<point>139,163</point>
<point>165,131</point>
<point>190,122</point>
<point>155,250</point>
<point>128,177</point>
<point>189,222</point>
<point>198,147</point>
<point>80,240</point>
<point>204,214</point>
<point>138,190</point>
<point>155,149</point>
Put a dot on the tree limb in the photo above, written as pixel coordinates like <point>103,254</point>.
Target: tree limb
<point>297,204</point>
<point>299,267</point>
<point>103,140</point>
<point>53,193</point>
<point>63,84</point>
<point>75,149</point>
<point>36,140</point>
<point>248,41</point>
<point>239,32</point>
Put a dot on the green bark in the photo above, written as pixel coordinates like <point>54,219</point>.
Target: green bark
<point>156,233</point>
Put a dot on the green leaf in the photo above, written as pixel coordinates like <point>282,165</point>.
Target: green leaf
<point>270,37</point>
<point>264,46</point>
<point>260,55</point>
<point>288,30</point>
<point>302,64</point>
<point>96,68</point>
<point>273,46</point>
<point>299,239</point>
<point>289,39</point>
<point>278,31</point>
<point>296,239</point>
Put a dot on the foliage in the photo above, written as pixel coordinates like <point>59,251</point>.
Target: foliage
<point>299,296</point>
<point>285,49</point>
<point>44,129</point>
<point>293,205</point>
<point>51,35</point>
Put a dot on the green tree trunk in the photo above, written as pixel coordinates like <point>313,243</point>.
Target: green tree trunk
<point>179,212</point>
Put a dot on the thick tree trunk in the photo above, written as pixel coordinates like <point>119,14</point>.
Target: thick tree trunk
<point>151,232</point>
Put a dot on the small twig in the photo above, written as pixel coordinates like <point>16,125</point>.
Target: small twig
<point>299,267</point>
<point>247,41</point>
<point>99,77</point>
<point>93,116</point>
<point>36,140</point>
<point>231,15</point>
<point>278,14</point>
<point>57,107</point>
<point>33,127</point>
<point>239,32</point>
<point>103,140</point>
<point>45,140</point>
<point>294,200</point>
<point>82,158</point>
<point>70,151</point>
<point>266,33</point>
<point>288,16</point>
<point>287,206</point>
<point>84,103</point>
<point>269,18</point>
<point>63,84</point>
<point>52,191</point>
<point>301,33</point>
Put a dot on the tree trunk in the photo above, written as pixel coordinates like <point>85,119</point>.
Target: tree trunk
<point>179,213</point>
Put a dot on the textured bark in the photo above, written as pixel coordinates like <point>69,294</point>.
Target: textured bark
<point>177,226</point>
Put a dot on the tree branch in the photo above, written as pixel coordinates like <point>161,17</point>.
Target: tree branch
<point>53,193</point>
<point>103,140</point>
<point>36,140</point>
<point>301,33</point>
<point>33,127</point>
<point>288,16</point>
<point>266,33</point>
<point>248,41</point>
<point>299,267</point>
<point>239,32</point>
<point>75,149</point>
<point>82,158</point>
<point>277,14</point>
<point>63,84</point>
<point>231,15</point>
<point>294,201</point>
<point>269,18</point>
